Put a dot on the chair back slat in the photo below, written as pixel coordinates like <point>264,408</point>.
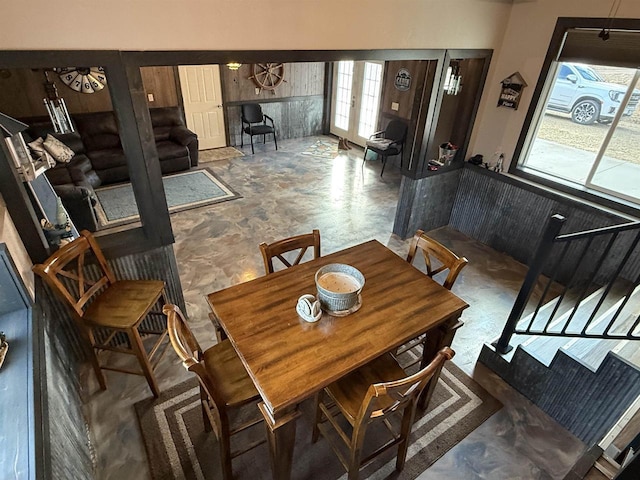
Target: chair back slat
<point>431,249</point>
<point>66,274</point>
<point>300,243</point>
<point>189,351</point>
<point>384,398</point>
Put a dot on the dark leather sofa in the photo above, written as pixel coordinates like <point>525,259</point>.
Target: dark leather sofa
<point>100,160</point>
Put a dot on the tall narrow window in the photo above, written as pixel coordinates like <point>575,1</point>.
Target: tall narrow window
<point>343,94</point>
<point>370,99</point>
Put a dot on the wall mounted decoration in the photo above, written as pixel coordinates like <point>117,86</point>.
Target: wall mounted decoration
<point>83,79</point>
<point>511,92</point>
<point>267,76</point>
<point>56,107</point>
<point>402,81</point>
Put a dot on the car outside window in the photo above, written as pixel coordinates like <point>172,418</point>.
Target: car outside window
<point>588,133</point>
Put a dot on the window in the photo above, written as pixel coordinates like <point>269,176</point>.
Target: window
<point>587,131</point>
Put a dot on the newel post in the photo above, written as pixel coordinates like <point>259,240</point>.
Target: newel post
<point>539,259</point>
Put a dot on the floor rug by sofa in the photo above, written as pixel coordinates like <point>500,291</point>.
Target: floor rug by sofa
<point>179,448</point>
<point>215,154</point>
<point>324,148</point>
<point>185,190</point>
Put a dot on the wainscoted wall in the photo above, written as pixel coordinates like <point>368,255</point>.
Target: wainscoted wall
<point>67,433</point>
<point>294,118</point>
<point>511,217</point>
<point>505,214</point>
<point>425,203</point>
<point>296,105</point>
<point>66,441</point>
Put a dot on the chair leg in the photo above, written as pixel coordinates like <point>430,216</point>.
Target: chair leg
<point>138,348</point>
<point>224,442</point>
<point>264,139</point>
<point>242,139</point>
<point>93,357</point>
<point>315,434</point>
<point>405,431</point>
<point>364,158</point>
<point>205,418</point>
<point>275,140</point>
<point>355,451</point>
<point>251,137</point>
<point>384,164</point>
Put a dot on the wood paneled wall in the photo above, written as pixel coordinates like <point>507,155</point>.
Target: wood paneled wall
<point>162,83</point>
<point>22,92</point>
<point>301,80</point>
<point>296,106</point>
<point>406,99</point>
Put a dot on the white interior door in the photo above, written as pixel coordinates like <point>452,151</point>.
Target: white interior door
<point>356,99</point>
<point>202,101</point>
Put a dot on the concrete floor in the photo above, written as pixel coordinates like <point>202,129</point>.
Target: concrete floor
<point>286,193</point>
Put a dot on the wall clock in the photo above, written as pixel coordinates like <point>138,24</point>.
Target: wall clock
<point>267,76</point>
<point>83,79</point>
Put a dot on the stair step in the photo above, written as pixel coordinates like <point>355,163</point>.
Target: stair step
<point>592,351</point>
<point>631,352</point>
<point>544,348</point>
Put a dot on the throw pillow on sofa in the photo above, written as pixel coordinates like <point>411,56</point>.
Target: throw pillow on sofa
<point>58,150</point>
<point>40,153</point>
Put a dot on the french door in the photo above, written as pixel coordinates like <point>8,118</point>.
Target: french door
<point>356,99</point>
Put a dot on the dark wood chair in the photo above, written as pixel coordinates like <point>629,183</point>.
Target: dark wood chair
<point>224,385</point>
<point>300,243</point>
<point>387,142</point>
<point>373,393</point>
<point>105,308</point>
<point>254,122</point>
<point>438,258</point>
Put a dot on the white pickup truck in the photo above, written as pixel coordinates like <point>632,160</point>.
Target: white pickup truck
<point>579,90</point>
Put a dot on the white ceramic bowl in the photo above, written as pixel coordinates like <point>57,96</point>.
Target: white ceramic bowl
<point>338,286</point>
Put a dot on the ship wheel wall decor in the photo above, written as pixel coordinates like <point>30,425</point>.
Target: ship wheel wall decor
<point>83,79</point>
<point>267,76</point>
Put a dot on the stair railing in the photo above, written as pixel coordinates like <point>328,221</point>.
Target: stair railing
<point>576,251</point>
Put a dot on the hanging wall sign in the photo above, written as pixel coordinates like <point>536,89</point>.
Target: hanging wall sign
<point>511,92</point>
<point>403,80</point>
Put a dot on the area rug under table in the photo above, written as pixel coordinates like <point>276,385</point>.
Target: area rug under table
<point>183,191</point>
<point>179,448</point>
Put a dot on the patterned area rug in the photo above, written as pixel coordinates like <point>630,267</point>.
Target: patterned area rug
<point>195,188</point>
<point>215,154</point>
<point>324,148</point>
<point>179,448</point>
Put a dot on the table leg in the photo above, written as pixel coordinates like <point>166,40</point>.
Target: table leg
<point>281,434</point>
<point>434,341</point>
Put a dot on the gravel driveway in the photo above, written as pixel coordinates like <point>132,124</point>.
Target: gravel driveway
<point>625,144</point>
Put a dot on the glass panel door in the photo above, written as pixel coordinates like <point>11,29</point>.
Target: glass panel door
<point>356,100</point>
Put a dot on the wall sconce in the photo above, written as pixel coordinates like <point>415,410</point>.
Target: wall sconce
<point>233,65</point>
<point>453,81</point>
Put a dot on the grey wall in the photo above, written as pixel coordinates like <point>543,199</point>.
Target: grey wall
<point>293,118</point>
<point>510,218</point>
<point>425,203</point>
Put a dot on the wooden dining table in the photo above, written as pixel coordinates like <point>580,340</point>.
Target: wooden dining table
<point>290,360</point>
